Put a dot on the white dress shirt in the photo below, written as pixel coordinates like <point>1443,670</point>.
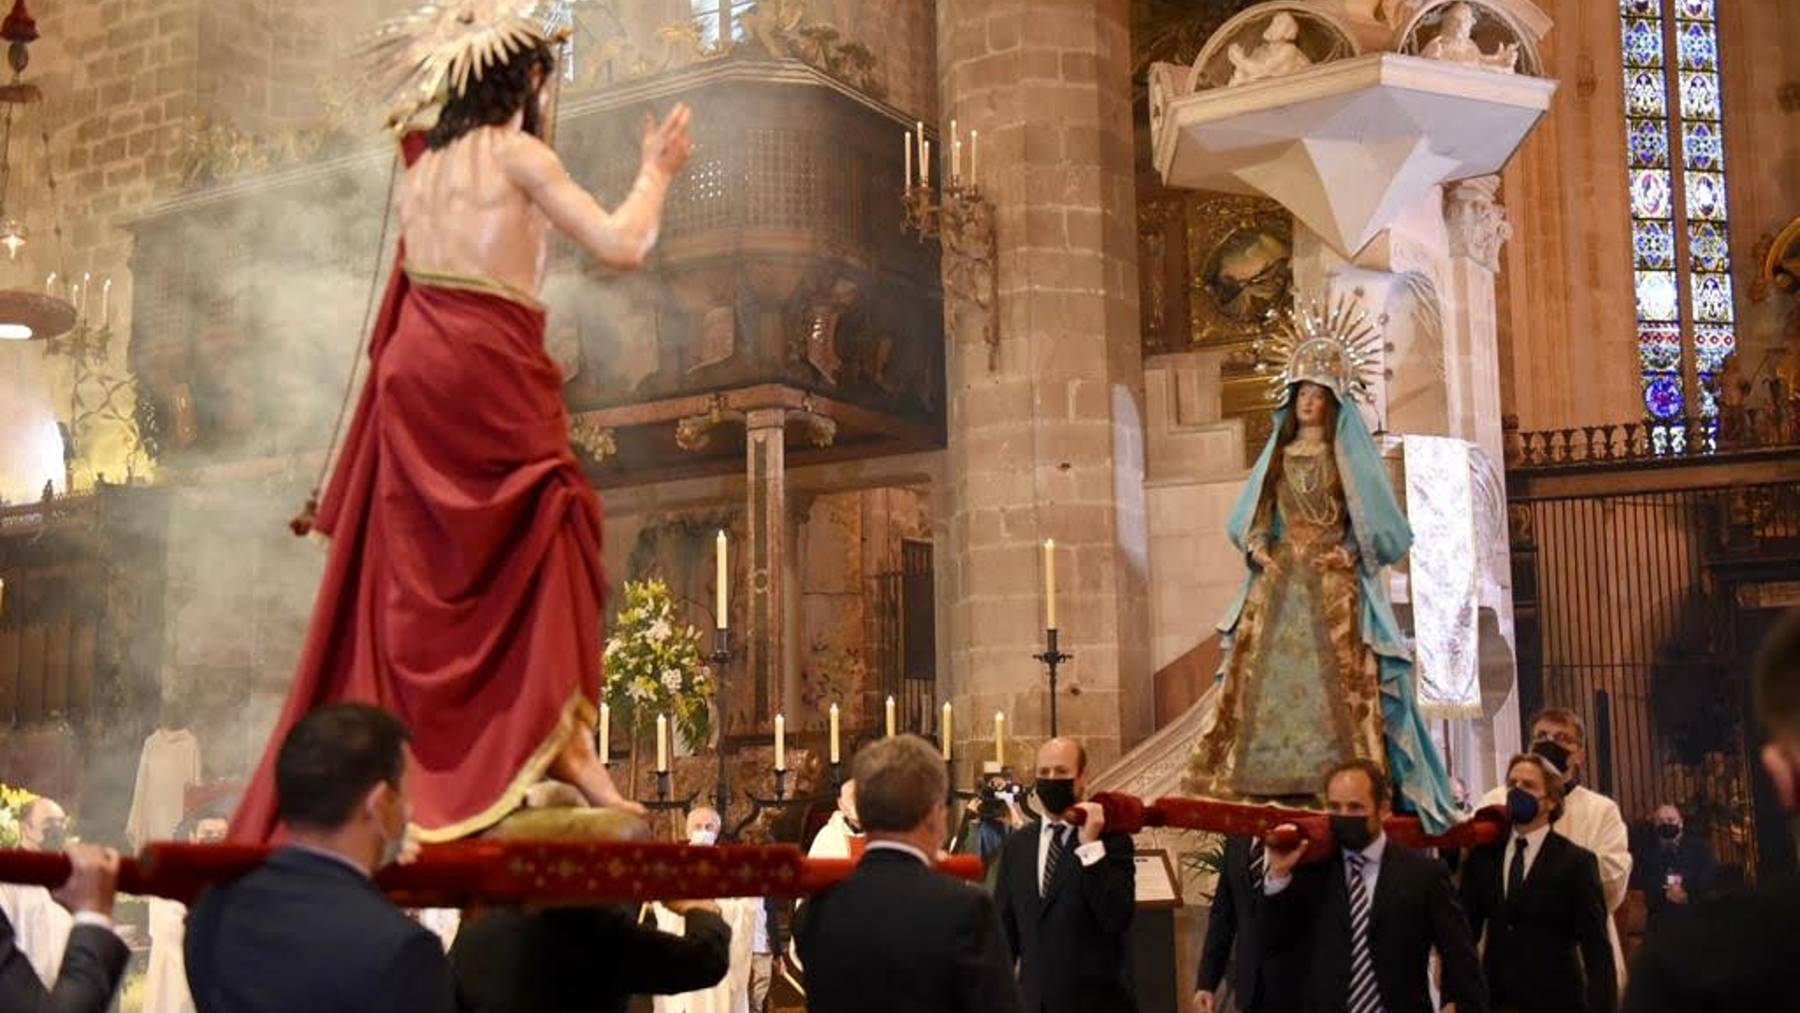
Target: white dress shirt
<point>1371,870</point>
<point>1088,853</point>
<point>1534,843</point>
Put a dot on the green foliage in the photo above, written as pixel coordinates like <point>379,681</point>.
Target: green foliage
<point>654,665</point>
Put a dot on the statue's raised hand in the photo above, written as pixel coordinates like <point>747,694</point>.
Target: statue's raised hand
<point>668,145</point>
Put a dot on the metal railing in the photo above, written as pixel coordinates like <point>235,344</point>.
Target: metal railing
<point>1732,432</point>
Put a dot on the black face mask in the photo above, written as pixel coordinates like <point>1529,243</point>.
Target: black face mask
<point>1557,754</point>
<point>1057,795</point>
<point>1521,806</point>
<point>1351,832</point>
<point>855,827</point>
<point>1668,831</point>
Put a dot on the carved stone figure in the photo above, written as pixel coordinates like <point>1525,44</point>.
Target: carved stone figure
<point>1476,221</point>
<point>1278,56</point>
<point>1455,43</point>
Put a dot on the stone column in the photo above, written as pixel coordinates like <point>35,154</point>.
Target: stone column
<point>766,520</point>
<point>1048,442</point>
<point>1478,228</point>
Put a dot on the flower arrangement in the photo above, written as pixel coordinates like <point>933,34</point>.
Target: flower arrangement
<point>12,809</point>
<point>654,665</point>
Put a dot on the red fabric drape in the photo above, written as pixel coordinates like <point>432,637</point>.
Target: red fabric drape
<point>463,589</point>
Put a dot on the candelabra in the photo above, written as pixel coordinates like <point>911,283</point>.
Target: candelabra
<point>962,218</point>
<point>1052,657</point>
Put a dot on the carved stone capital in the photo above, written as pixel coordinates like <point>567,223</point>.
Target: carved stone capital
<point>1476,220</point>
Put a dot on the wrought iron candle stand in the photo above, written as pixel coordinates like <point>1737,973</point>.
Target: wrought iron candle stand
<point>1052,657</point>
<point>962,217</point>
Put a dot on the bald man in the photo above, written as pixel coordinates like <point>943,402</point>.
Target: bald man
<point>1066,896</point>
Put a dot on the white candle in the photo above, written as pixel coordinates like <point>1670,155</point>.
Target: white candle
<point>50,283</point>
<point>662,743</point>
<point>605,731</point>
<point>106,300</point>
<point>780,742</point>
<point>925,162</point>
<point>944,733</point>
<point>890,717</point>
<point>1050,583</point>
<point>956,159</point>
<point>720,602</point>
<point>1000,738</point>
<point>974,153</point>
<point>835,755</point>
<point>909,161</point>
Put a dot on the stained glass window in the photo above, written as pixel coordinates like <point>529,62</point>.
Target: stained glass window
<point>1675,153</point>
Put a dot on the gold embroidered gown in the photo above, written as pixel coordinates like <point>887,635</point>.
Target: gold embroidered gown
<point>1300,694</point>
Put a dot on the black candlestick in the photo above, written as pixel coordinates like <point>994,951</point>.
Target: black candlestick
<point>662,802</point>
<point>1052,657</point>
<point>721,657</point>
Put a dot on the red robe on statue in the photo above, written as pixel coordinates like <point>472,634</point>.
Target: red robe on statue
<point>463,590</point>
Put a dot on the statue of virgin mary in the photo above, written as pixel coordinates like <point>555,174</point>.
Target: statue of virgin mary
<point>1316,668</point>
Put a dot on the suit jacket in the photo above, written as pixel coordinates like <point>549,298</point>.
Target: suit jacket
<point>92,964</point>
<point>1735,954</point>
<point>1691,859</point>
<point>899,937</point>
<point>1413,912</point>
<point>304,933</point>
<point>510,960</point>
<point>1534,935</point>
<point>1073,944</point>
<point>1264,979</point>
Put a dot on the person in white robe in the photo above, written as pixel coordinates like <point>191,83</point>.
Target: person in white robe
<point>169,763</point>
<point>165,979</point>
<point>40,925</point>
<point>732,993</point>
<point>833,839</point>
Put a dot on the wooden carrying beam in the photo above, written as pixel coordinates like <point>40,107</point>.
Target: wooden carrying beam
<point>464,873</point>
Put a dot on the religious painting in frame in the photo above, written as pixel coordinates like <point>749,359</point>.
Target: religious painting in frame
<point>1240,255</point>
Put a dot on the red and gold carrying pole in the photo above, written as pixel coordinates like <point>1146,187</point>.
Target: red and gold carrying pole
<point>464,873</point>
<point>1280,828</point>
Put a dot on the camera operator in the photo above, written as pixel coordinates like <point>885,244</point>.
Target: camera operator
<point>991,814</point>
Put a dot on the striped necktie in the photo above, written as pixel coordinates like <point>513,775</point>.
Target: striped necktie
<point>1053,857</point>
<point>1365,997</point>
<point>1259,864</point>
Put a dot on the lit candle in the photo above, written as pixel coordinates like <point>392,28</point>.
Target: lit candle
<point>1000,738</point>
<point>890,717</point>
<point>925,161</point>
<point>105,300</point>
<point>974,153</point>
<point>956,159</point>
<point>720,612</point>
<point>662,743</point>
<point>1050,583</point>
<point>909,161</point>
<point>835,755</point>
<point>944,733</point>
<point>605,731</point>
<point>780,742</point>
<point>87,285</point>
<point>50,283</point>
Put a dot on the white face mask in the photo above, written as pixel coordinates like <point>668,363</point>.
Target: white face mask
<point>703,838</point>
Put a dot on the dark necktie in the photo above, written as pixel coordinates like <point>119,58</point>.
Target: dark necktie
<point>1365,996</point>
<point>1515,873</point>
<point>1053,857</point>
<point>1259,864</point>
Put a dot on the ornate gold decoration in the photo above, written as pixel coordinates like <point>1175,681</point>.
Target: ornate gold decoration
<point>1339,348</point>
<point>1240,255</point>
<point>422,58</point>
<point>695,431</point>
<point>821,429</point>
<point>964,220</point>
<point>597,441</point>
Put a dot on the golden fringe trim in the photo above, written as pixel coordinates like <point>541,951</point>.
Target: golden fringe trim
<point>473,283</point>
<point>578,715</point>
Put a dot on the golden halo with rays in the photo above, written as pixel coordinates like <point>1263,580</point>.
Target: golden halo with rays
<point>1337,347</point>
<point>419,59</point>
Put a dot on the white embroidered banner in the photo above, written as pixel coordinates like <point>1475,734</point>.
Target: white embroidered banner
<point>1445,575</point>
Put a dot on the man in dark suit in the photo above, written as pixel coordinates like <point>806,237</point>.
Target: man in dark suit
<point>1263,979</point>
<point>1539,897</point>
<point>1370,914</point>
<point>1672,867</point>
<point>1740,953</point>
<point>94,959</point>
<point>898,936</point>
<point>308,931</point>
<point>1067,896</point>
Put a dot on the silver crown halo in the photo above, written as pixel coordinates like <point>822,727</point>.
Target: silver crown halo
<point>420,59</point>
<point>1338,347</point>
